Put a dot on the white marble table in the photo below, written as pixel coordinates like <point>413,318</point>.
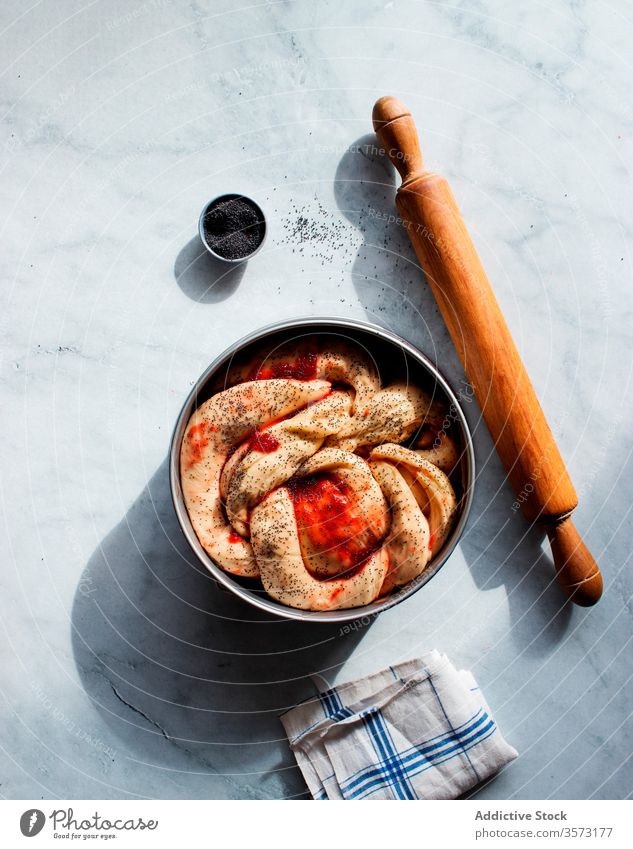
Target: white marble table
<point>125,671</point>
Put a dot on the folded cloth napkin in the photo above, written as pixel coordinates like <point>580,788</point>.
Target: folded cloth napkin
<point>419,730</point>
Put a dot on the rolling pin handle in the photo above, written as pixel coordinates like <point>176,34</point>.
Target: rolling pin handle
<point>576,570</point>
<point>398,136</point>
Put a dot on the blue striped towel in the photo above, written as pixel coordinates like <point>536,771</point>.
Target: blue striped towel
<point>419,730</point>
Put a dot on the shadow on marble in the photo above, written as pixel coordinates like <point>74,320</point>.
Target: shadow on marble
<point>202,277</point>
<point>385,272</point>
<point>501,549</point>
<point>188,677</point>
<point>389,280</point>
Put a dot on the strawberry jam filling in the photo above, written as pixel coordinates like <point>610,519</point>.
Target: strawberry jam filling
<point>304,367</point>
<point>196,441</point>
<point>263,441</point>
<point>336,539</point>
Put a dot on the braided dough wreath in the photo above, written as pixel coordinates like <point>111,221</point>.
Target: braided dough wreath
<point>296,473</point>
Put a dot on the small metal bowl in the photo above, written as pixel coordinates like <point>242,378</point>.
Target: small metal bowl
<point>394,358</point>
<point>203,236</point>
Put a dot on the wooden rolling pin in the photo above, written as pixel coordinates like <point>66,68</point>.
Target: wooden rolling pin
<point>503,389</point>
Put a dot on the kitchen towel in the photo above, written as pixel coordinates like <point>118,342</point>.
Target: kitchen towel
<point>419,730</point>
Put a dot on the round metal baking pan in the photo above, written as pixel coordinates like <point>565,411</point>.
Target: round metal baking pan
<point>394,357</point>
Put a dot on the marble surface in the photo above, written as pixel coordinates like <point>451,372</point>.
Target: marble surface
<point>125,671</point>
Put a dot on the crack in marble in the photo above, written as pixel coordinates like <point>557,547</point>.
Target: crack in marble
<point>140,713</point>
